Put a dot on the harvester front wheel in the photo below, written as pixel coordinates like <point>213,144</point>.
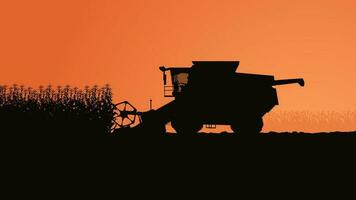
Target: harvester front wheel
<point>186,127</point>
<point>248,127</point>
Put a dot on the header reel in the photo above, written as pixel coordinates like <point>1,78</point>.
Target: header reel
<point>125,115</point>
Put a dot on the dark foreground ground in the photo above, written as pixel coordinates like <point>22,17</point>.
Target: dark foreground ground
<point>297,141</point>
<point>145,141</point>
<point>144,161</point>
<point>266,148</point>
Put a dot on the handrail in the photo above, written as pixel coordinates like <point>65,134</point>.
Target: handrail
<point>168,91</point>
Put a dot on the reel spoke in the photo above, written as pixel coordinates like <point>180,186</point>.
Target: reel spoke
<point>125,106</point>
<point>122,121</point>
<point>130,119</point>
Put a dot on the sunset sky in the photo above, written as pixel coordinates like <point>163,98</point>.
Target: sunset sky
<point>86,42</point>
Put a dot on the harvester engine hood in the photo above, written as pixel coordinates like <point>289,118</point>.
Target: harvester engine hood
<point>227,67</point>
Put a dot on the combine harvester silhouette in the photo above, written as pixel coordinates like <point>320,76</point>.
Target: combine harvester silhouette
<point>210,93</point>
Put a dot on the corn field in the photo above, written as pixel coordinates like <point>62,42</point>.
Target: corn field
<point>90,109</point>
<point>60,109</point>
<point>310,121</point>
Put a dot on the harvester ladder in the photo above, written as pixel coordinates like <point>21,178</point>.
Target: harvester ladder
<point>168,91</point>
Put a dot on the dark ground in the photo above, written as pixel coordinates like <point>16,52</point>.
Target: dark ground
<point>171,150</point>
<point>140,141</point>
<point>64,163</point>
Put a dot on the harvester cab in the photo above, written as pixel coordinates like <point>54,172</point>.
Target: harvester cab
<point>179,79</point>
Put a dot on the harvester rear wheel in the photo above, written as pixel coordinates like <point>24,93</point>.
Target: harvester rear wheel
<point>186,126</point>
<point>248,127</point>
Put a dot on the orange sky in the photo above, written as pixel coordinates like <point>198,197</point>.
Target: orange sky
<point>120,42</point>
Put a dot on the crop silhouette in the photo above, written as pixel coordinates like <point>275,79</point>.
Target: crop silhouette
<point>56,110</point>
<point>311,121</point>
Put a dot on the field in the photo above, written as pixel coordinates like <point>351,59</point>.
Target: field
<point>310,121</point>
<point>65,114</point>
<point>56,111</point>
<point>61,137</point>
